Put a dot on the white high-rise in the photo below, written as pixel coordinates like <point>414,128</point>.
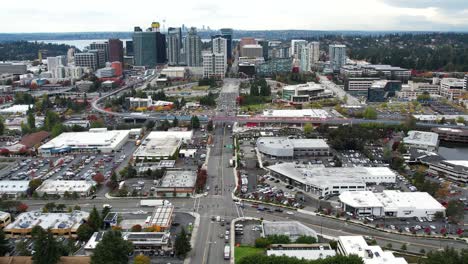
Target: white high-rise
<point>219,45</point>
<point>214,65</point>
<point>304,60</point>
<point>296,45</point>
<point>192,48</point>
<point>54,62</point>
<point>314,54</point>
<point>174,43</point>
<point>337,54</point>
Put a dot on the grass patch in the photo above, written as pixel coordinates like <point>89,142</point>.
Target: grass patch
<point>242,251</point>
<point>409,258</point>
<point>201,88</point>
<point>254,108</point>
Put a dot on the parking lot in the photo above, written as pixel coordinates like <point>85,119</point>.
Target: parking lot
<point>251,230</point>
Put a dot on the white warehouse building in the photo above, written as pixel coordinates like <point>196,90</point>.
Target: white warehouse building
<point>94,140</point>
<point>422,140</point>
<point>286,147</point>
<point>390,203</point>
<point>331,181</point>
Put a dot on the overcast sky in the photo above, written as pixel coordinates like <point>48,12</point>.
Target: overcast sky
<point>123,15</point>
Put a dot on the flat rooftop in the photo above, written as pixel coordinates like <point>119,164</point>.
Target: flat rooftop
<point>13,186</point>
<point>49,220</point>
<point>463,163</point>
<point>293,229</point>
<point>305,251</point>
<point>16,109</point>
<point>89,139</point>
<point>52,186</point>
<point>162,216</point>
<point>320,175</point>
<point>391,200</point>
<point>178,178</point>
<point>284,142</point>
<point>356,245</point>
<point>422,138</point>
<point>312,113</point>
<point>158,147</point>
<point>182,135</point>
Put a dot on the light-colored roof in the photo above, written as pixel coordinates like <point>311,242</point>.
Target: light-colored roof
<point>162,216</point>
<point>390,200</point>
<point>90,139</point>
<point>356,245</point>
<point>463,163</point>
<point>293,229</point>
<point>17,109</point>
<point>158,147</point>
<point>178,178</point>
<point>284,142</point>
<point>310,253</point>
<point>49,220</point>
<point>422,138</point>
<point>314,113</point>
<point>54,186</point>
<point>304,87</point>
<point>13,186</point>
<point>183,135</point>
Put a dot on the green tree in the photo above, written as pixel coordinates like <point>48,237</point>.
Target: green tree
<point>306,240</point>
<point>209,127</point>
<point>195,122</point>
<point>175,122</point>
<point>2,126</point>
<point>182,244</point>
<point>31,120</point>
<point>460,119</point>
<point>34,184</point>
<point>4,245</point>
<point>51,119</point>
<point>84,232</point>
<point>455,210</point>
<point>279,239</point>
<point>370,113</point>
<point>95,220</point>
<point>57,129</point>
<point>22,248</point>
<point>112,249</point>
<point>264,259</point>
<point>447,256</point>
<point>308,129</point>
<point>46,248</point>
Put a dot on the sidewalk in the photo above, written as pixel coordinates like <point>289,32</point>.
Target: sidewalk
<point>193,239</point>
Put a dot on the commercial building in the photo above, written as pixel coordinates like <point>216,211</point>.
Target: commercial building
<point>323,181</point>
<point>290,148</point>
<point>452,88</point>
<point>16,109</point>
<point>228,33</point>
<point>381,90</point>
<point>301,251</point>
<point>359,86</point>
<point>145,242</point>
<point>303,93</point>
<point>337,55</point>
<point>54,62</point>
<point>162,218</point>
<point>219,45</point>
<point>107,72</point>
<point>296,45</point>
<point>356,245</point>
<point>60,224</point>
<point>174,45</point>
<point>13,189</point>
<point>252,51</point>
<point>129,48</point>
<point>455,170</point>
<point>177,183</point>
<point>101,57</point>
<point>175,72</point>
<point>87,60</point>
<point>192,47</point>
<point>422,140</point>
<point>390,203</point>
<point>149,47</point>
<point>275,66</point>
<point>104,47</point>
<point>116,52</point>
<point>214,65</point>
<point>412,90</point>
<point>5,219</point>
<point>184,136</point>
<point>154,149</point>
<point>375,70</point>
<point>118,68</point>
<point>451,134</point>
<point>11,68</point>
<point>247,41</point>
<point>292,113</point>
<point>292,229</point>
<point>95,140</point>
<point>82,188</point>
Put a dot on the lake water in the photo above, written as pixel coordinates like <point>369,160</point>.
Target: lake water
<point>454,151</point>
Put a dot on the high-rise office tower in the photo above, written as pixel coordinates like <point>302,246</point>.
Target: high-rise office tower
<point>296,47</point>
<point>129,48</point>
<point>104,46</point>
<point>149,46</point>
<point>228,33</point>
<point>100,55</point>
<point>86,59</point>
<point>54,62</point>
<point>174,45</point>
<point>192,49</point>
<point>305,58</point>
<point>214,65</point>
<point>115,50</point>
<point>219,45</point>
<point>337,55</point>
<point>314,52</point>
<point>264,44</point>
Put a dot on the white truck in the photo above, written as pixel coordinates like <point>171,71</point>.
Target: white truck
<point>154,203</point>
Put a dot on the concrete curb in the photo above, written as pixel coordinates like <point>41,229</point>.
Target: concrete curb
<point>193,238</point>
<point>233,235</point>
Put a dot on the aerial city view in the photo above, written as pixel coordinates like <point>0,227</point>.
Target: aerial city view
<point>248,132</point>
